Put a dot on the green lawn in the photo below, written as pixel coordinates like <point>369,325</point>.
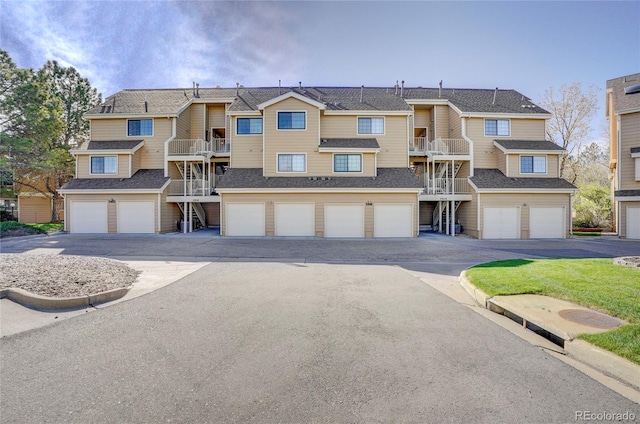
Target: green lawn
<point>594,283</point>
<point>13,228</point>
<point>586,234</point>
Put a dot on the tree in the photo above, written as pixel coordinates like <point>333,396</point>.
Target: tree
<point>592,206</point>
<point>571,110</point>
<point>40,121</point>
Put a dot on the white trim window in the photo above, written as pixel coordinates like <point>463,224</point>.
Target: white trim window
<point>101,165</point>
<point>347,163</point>
<point>292,120</point>
<point>497,127</point>
<point>637,169</point>
<point>371,125</point>
<point>248,126</point>
<point>292,162</point>
<point>139,127</point>
<point>533,164</point>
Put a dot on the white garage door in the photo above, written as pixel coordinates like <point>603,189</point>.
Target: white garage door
<point>633,222</point>
<point>547,222</point>
<point>393,221</point>
<point>501,223</point>
<point>295,219</point>
<point>88,217</point>
<point>344,221</point>
<point>245,219</point>
<point>136,217</point>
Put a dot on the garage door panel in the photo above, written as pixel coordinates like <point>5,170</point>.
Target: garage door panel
<point>501,223</point>
<point>245,219</point>
<point>136,217</point>
<point>547,222</point>
<point>344,221</point>
<point>633,222</point>
<point>393,221</point>
<point>89,217</point>
<point>295,219</point>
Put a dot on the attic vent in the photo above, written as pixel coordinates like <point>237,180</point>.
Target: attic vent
<point>632,89</point>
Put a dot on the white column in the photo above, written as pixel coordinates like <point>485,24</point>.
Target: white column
<point>453,217</point>
<point>184,218</point>
<point>446,214</point>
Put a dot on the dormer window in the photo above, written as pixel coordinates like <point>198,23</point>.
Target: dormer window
<point>497,127</point>
<point>104,165</point>
<point>292,120</point>
<point>533,164</point>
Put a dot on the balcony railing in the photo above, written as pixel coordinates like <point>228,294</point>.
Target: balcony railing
<point>439,146</point>
<point>196,147</point>
<point>447,186</point>
<point>191,188</point>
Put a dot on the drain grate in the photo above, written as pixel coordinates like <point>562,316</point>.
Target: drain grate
<point>590,318</point>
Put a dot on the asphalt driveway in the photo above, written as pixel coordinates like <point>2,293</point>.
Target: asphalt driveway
<point>293,335</point>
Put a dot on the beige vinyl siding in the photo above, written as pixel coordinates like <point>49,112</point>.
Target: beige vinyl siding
<point>290,141</point>
<point>320,200</point>
<point>525,201</point>
<point>622,225</point>
<point>422,118</point>
<point>152,153</point>
<point>169,213</point>
<point>501,162</point>
<point>467,215</point>
<point>183,124</point>
<point>108,129</point>
<point>197,120</point>
<point>630,137</point>
<point>174,172</point>
<point>514,166</point>
<point>34,209</point>
<point>216,116</point>
<point>84,167</point>
<point>393,143</point>
<point>483,148</point>
<point>442,121</point>
<point>455,124</point>
<point>246,150</point>
<point>613,128</point>
<point>426,213</point>
<point>212,213</point>
<point>135,162</point>
<point>112,207</point>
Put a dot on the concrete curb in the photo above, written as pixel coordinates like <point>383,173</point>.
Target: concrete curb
<point>480,297</point>
<point>600,359</point>
<point>605,361</point>
<point>37,301</point>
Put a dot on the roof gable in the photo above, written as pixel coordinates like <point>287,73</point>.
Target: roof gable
<point>289,95</point>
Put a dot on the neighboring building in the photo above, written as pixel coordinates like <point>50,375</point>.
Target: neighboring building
<point>320,161</point>
<point>34,197</point>
<point>623,113</point>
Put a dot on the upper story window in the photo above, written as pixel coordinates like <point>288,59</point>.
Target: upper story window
<point>249,126</point>
<point>533,164</point>
<point>139,127</point>
<point>371,125</point>
<point>292,120</point>
<point>499,127</point>
<point>104,165</point>
<point>288,162</point>
<point>347,163</point>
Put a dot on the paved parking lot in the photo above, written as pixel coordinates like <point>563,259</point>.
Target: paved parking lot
<point>296,331</point>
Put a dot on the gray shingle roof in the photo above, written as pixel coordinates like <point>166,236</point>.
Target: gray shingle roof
<point>528,145</point>
<point>625,193</point>
<point>622,101</point>
<point>110,145</point>
<point>169,101</point>
<point>350,143</point>
<point>494,178</point>
<point>252,178</point>
<point>151,179</point>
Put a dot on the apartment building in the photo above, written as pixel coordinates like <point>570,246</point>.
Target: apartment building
<point>623,114</point>
<point>300,161</point>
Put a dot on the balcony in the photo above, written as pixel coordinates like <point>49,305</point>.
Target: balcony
<point>179,148</point>
<point>446,189</point>
<point>421,146</point>
<point>192,188</point>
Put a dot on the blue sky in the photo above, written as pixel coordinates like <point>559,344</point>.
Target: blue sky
<point>527,46</point>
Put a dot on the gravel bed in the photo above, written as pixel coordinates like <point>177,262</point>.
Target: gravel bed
<point>62,275</point>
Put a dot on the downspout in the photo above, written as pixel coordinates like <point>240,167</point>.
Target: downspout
<point>166,146</point>
<point>468,140</point>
